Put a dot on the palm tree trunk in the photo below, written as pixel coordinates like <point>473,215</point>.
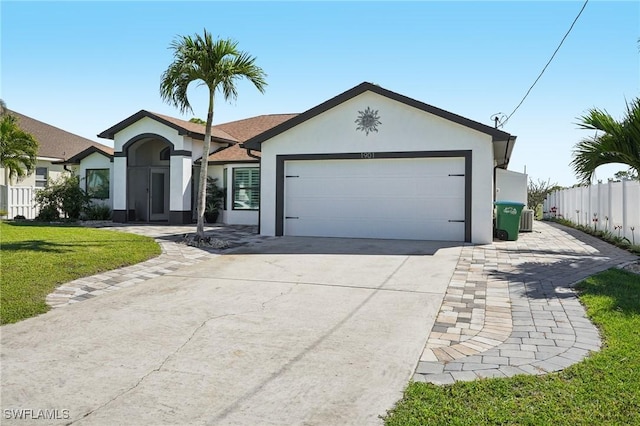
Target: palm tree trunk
<point>204,163</point>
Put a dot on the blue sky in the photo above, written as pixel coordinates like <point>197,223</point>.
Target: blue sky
<point>84,66</point>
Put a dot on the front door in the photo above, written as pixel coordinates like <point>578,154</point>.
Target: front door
<point>158,194</point>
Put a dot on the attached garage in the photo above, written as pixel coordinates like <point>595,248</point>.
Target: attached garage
<point>371,163</point>
<point>424,196</point>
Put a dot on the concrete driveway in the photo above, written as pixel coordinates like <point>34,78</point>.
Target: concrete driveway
<point>292,331</point>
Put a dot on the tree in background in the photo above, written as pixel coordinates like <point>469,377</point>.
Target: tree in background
<point>625,174</point>
<point>217,64</point>
<point>617,141</point>
<point>18,149</point>
<point>198,121</point>
<point>537,192</point>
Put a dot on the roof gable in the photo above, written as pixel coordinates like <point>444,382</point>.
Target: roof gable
<point>107,152</point>
<point>54,142</point>
<point>255,142</point>
<point>193,130</point>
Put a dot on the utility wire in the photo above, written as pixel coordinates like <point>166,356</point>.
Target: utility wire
<point>545,67</point>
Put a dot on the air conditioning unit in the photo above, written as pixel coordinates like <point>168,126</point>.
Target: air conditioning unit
<point>526,220</point>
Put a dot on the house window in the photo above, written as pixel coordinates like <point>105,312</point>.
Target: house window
<point>41,177</point>
<point>246,188</point>
<point>98,183</point>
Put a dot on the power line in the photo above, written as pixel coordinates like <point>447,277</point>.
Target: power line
<point>545,67</point>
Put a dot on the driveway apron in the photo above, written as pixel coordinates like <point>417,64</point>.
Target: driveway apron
<point>289,331</point>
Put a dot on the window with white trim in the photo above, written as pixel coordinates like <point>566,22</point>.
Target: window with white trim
<point>41,177</point>
<point>246,188</point>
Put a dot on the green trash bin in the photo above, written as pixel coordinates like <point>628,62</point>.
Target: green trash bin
<point>508,219</point>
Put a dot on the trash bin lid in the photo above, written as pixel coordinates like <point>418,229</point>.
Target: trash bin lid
<point>508,203</point>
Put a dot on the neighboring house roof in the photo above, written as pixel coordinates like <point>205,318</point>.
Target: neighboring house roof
<point>183,127</point>
<point>501,152</point>
<point>54,142</point>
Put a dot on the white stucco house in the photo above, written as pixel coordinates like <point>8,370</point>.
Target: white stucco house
<point>367,163</point>
<point>59,152</point>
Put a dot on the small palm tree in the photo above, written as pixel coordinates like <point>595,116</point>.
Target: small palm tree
<point>18,149</point>
<point>217,64</point>
<point>618,141</point>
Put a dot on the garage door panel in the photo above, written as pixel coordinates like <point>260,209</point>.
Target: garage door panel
<point>356,228</point>
<point>380,188</point>
<point>417,198</point>
<point>443,208</point>
<point>396,166</point>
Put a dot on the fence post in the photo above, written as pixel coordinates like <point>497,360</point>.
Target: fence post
<point>609,205</point>
<point>589,215</point>
<point>624,207</point>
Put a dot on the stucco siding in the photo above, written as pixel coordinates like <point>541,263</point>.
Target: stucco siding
<point>119,183</point>
<point>403,128</point>
<point>180,184</point>
<point>96,161</point>
<point>147,125</point>
<point>511,186</point>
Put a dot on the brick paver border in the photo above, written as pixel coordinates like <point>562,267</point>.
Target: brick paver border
<point>174,255</point>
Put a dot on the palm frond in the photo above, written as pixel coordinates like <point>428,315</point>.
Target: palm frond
<point>619,141</point>
<point>18,149</point>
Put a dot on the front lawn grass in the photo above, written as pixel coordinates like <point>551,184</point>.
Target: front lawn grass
<point>34,259</point>
<point>604,389</point>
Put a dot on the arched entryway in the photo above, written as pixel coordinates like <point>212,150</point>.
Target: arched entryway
<point>148,178</point>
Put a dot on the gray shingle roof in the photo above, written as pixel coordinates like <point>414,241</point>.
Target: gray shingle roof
<point>55,142</point>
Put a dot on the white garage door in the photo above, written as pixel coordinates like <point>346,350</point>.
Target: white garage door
<point>413,198</point>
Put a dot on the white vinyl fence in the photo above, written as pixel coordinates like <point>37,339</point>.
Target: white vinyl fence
<point>611,206</point>
<point>18,200</point>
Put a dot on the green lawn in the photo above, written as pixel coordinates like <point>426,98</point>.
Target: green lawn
<point>603,389</point>
<point>34,259</point>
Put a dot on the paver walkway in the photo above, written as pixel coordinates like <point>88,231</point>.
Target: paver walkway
<point>175,255</point>
<point>510,307</point>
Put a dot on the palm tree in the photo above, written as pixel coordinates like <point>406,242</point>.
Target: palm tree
<point>618,141</point>
<point>18,149</point>
<point>217,64</point>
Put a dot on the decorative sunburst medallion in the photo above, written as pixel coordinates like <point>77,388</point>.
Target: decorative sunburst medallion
<point>368,121</point>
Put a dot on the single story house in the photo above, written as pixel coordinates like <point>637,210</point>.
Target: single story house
<point>59,152</point>
<point>367,163</point>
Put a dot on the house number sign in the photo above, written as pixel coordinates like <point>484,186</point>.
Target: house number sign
<point>367,155</point>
